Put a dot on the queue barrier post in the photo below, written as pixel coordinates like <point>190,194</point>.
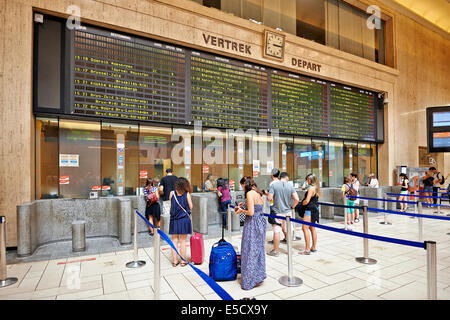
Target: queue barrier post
<point>229,222</point>
<point>365,259</point>
<point>430,246</point>
<point>157,265</point>
<point>419,208</point>
<point>4,280</point>
<point>385,215</point>
<point>345,219</point>
<point>136,263</point>
<point>290,280</point>
<point>294,236</point>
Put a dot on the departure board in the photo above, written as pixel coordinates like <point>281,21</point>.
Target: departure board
<point>352,113</point>
<point>299,104</point>
<point>227,93</point>
<point>126,77</point>
<point>122,77</point>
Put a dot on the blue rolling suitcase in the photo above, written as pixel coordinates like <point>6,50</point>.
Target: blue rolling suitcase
<point>222,262</point>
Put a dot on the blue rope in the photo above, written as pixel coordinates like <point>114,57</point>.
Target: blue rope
<point>217,289</point>
<point>409,214</point>
<point>357,234</point>
<point>387,200</point>
<point>417,196</point>
<point>339,205</point>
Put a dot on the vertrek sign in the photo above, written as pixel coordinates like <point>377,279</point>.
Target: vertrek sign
<point>227,44</point>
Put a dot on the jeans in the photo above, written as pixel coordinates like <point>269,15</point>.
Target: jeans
<point>224,206</point>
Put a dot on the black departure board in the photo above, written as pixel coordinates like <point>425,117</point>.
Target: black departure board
<point>352,113</point>
<point>126,77</point>
<point>299,104</point>
<point>118,76</point>
<point>227,93</point>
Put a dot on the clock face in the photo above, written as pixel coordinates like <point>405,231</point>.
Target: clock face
<point>274,45</point>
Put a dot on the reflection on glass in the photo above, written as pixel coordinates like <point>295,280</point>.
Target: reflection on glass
<point>79,152</point>
<point>155,149</point>
<point>120,159</point>
<point>364,162</point>
<point>302,159</point>
<point>47,158</point>
<point>319,164</point>
<point>350,158</point>
<point>336,163</point>
<point>214,155</point>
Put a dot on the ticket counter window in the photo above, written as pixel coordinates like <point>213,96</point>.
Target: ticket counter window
<point>240,160</point>
<point>366,161</point>
<point>350,158</point>
<point>214,157</point>
<point>284,156</point>
<point>319,154</point>
<point>79,158</point>
<point>336,163</point>
<point>264,151</point>
<point>187,156</point>
<point>47,179</point>
<point>155,150</point>
<point>119,145</point>
<point>302,160</point>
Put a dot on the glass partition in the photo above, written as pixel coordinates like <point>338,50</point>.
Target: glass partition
<point>350,158</point>
<point>214,156</point>
<point>47,180</point>
<point>319,152</point>
<point>336,163</point>
<point>79,158</point>
<point>302,160</point>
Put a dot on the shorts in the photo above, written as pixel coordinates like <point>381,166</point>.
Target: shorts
<point>428,188</point>
<point>405,192</point>
<point>307,213</point>
<point>278,228</point>
<point>350,203</point>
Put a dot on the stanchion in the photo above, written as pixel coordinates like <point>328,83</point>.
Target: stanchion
<point>4,280</point>
<point>136,263</point>
<point>229,223</point>
<point>345,219</point>
<point>430,246</point>
<point>385,208</point>
<point>419,208</point>
<point>294,236</point>
<point>366,259</point>
<point>157,265</point>
<point>290,280</point>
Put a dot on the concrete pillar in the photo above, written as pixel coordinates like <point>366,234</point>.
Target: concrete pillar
<point>125,219</point>
<point>24,245</point>
<point>78,236</point>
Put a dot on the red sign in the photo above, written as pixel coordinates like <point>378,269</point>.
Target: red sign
<point>64,180</point>
<point>96,188</point>
<point>105,188</point>
<point>143,174</point>
<point>205,169</point>
<point>255,173</point>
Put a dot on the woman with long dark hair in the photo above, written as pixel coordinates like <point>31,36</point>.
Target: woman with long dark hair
<point>404,191</point>
<point>152,210</point>
<point>180,221</point>
<point>253,256</point>
<point>310,210</point>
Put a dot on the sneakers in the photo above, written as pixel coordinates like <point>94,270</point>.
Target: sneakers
<point>273,253</point>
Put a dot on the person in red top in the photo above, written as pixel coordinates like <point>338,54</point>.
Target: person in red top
<point>223,191</point>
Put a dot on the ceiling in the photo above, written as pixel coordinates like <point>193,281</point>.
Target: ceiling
<point>435,11</point>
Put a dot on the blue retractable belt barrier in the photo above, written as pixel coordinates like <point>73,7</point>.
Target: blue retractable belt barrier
<point>217,289</point>
<point>436,205</point>
<point>339,205</point>
<point>354,233</point>
<point>417,196</point>
<point>387,200</point>
<point>409,214</point>
<point>420,191</point>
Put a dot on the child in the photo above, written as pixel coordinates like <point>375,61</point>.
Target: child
<point>223,191</point>
<point>349,202</point>
<point>180,221</point>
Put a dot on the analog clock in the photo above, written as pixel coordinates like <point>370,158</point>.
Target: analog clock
<point>273,45</point>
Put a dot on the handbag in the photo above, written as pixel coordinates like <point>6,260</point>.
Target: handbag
<point>151,198</point>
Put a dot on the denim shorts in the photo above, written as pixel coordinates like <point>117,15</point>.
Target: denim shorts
<point>428,188</point>
<point>307,213</point>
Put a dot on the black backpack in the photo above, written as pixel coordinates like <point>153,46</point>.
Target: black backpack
<point>442,178</point>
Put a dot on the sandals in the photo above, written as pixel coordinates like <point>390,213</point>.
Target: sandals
<point>183,264</point>
<point>305,253</point>
<point>175,264</point>
<point>315,250</point>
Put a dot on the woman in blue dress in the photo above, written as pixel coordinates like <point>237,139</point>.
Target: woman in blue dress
<point>180,221</point>
<point>253,256</point>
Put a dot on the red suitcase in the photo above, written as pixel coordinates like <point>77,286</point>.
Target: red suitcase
<point>197,248</point>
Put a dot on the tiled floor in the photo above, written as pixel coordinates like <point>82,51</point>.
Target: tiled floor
<point>330,273</point>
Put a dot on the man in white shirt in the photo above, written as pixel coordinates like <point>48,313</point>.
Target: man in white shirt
<point>437,183</point>
<point>373,181</point>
